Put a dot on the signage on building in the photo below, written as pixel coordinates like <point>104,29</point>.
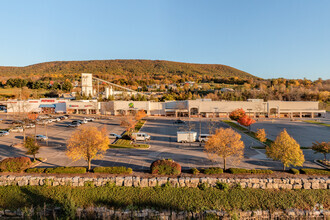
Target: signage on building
<point>47,100</point>
<point>33,101</point>
<point>131,105</point>
<point>73,106</point>
<point>88,106</point>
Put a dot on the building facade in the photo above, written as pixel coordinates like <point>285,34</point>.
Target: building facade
<point>188,108</point>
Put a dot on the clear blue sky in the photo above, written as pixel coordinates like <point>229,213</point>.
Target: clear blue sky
<point>282,38</point>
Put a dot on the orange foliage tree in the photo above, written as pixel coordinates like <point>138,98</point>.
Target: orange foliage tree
<point>87,143</point>
<point>140,114</point>
<point>237,114</point>
<point>128,122</point>
<point>246,121</point>
<point>225,143</point>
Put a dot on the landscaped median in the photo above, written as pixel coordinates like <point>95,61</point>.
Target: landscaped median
<point>317,122</point>
<point>126,142</point>
<point>252,134</point>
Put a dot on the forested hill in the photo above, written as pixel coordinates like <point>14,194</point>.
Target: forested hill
<point>129,69</point>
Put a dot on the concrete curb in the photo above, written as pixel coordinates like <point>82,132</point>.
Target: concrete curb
<point>320,164</point>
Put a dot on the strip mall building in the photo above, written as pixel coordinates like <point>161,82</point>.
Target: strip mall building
<point>187,108</point>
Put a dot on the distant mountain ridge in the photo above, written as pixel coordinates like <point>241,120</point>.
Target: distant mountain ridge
<point>127,68</point>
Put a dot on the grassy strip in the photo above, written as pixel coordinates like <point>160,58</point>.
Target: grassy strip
<point>262,148</point>
<point>246,131</point>
<point>190,199</point>
<point>317,122</point>
<point>122,143</point>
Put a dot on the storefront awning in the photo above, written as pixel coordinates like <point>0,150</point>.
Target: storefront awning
<point>47,106</point>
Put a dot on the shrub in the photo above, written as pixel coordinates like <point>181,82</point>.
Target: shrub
<point>203,186</point>
<point>247,171</point>
<point>15,164</point>
<point>222,186</point>
<point>194,171</point>
<point>113,170</point>
<point>66,170</point>
<point>35,170</point>
<point>315,171</point>
<point>294,171</point>
<point>213,170</point>
<point>165,167</point>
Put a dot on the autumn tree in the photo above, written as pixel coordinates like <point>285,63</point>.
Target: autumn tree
<point>140,114</point>
<point>323,148</point>
<point>246,121</point>
<point>287,150</point>
<point>87,143</point>
<point>32,146</point>
<point>237,114</point>
<point>128,122</point>
<point>261,135</point>
<point>225,143</point>
<point>67,86</point>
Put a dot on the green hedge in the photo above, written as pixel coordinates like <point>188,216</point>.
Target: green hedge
<point>35,170</point>
<point>213,170</point>
<point>15,164</point>
<point>194,171</point>
<point>253,171</point>
<point>113,170</point>
<point>66,170</point>
<point>165,167</point>
<point>315,171</point>
<point>294,171</point>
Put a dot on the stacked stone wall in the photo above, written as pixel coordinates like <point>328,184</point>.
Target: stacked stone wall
<point>134,181</point>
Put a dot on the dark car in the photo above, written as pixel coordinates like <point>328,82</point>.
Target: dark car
<point>179,122</point>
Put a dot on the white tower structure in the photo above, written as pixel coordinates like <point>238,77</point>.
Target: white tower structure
<point>87,84</point>
<point>108,91</point>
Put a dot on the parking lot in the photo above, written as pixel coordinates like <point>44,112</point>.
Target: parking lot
<point>162,144</point>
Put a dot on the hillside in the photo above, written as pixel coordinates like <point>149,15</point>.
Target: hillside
<point>129,69</point>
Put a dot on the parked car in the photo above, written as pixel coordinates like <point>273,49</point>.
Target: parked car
<point>17,122</point>
<point>42,122</point>
<point>140,136</point>
<point>3,133</point>
<point>16,129</point>
<point>73,125</point>
<point>40,137</point>
<point>29,126</point>
<point>89,119</point>
<point>179,122</point>
<point>203,137</point>
<point>114,136</point>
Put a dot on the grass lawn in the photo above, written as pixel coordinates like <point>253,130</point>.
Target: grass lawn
<point>317,122</point>
<point>246,131</point>
<point>121,143</point>
<point>190,199</point>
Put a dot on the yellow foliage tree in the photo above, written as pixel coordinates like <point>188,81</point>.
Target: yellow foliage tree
<point>87,143</point>
<point>287,150</point>
<point>261,135</point>
<point>225,143</point>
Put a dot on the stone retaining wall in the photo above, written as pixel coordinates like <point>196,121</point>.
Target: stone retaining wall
<point>258,183</point>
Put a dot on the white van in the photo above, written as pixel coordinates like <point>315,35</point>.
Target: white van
<point>140,136</point>
<point>203,137</point>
